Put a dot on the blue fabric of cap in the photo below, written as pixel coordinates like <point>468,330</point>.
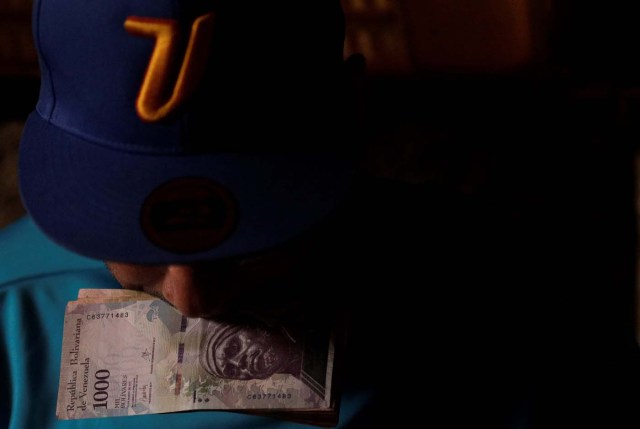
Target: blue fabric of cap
<point>88,162</point>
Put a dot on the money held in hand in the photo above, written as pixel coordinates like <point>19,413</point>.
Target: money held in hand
<point>127,354</point>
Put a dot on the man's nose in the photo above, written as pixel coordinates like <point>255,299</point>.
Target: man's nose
<point>240,360</point>
<point>184,289</point>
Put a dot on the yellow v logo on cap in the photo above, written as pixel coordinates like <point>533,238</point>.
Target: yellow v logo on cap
<point>154,101</point>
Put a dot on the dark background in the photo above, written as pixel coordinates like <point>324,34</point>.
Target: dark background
<point>531,109</point>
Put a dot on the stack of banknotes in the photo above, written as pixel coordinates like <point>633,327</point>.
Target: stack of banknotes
<point>126,353</point>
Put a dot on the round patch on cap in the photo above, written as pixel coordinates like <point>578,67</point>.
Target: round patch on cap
<point>188,215</point>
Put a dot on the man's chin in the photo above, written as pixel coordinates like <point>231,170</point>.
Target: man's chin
<point>268,364</point>
<point>220,312</point>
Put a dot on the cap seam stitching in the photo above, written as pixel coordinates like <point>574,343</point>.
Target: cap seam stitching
<point>44,65</point>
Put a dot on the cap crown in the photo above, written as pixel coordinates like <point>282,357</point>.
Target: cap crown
<point>261,68</point>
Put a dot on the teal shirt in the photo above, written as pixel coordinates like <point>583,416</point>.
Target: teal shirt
<point>37,279</point>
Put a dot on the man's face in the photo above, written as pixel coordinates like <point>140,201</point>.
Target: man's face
<point>213,288</point>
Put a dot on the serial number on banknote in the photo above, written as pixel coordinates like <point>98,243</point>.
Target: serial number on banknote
<point>269,396</point>
<point>96,316</point>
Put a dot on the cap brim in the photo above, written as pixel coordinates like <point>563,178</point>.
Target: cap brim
<point>88,198</point>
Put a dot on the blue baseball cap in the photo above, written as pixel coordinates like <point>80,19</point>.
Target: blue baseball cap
<point>174,131</point>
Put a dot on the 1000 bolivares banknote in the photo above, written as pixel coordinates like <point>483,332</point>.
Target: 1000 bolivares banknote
<point>126,357</point>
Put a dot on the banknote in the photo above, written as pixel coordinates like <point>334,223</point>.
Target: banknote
<point>107,294</point>
<point>128,353</point>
